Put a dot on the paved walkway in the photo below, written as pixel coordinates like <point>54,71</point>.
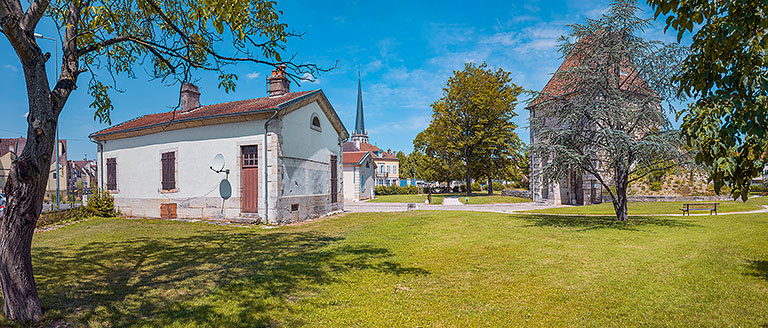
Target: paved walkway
<point>763,210</point>
<point>513,208</point>
<point>446,206</point>
<point>453,200</point>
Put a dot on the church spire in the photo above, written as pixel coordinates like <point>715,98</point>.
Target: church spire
<point>359,122</point>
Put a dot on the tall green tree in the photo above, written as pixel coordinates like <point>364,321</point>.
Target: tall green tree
<point>727,74</point>
<point>170,39</point>
<point>607,120</point>
<point>473,121</point>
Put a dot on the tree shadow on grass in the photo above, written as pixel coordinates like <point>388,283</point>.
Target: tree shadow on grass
<point>758,268</point>
<point>214,279</point>
<point>584,223</point>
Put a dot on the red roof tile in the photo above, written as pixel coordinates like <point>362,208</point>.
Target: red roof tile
<point>207,111</point>
<point>559,85</point>
<point>350,146</point>
<point>354,157</point>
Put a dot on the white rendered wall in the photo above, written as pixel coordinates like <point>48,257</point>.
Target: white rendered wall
<point>138,161</point>
<point>307,151</point>
<point>349,183</point>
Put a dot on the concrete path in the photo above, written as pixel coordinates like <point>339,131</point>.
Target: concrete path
<point>514,208</point>
<point>453,200</point>
<point>763,210</point>
<point>446,206</point>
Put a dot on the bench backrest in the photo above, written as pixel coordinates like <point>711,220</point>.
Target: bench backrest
<point>701,205</point>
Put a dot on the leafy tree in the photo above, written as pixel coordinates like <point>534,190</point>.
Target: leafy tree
<point>169,39</point>
<point>727,74</point>
<point>607,120</point>
<point>473,122</point>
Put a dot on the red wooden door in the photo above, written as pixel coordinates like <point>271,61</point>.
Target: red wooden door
<point>250,179</point>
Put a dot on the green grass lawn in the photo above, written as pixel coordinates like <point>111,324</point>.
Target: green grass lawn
<point>402,199</point>
<point>640,208</point>
<point>477,198</point>
<point>428,269</point>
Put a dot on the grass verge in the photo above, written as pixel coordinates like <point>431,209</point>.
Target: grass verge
<point>642,208</point>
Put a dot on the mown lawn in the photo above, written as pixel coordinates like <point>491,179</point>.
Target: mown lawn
<point>424,268</point>
<point>641,208</point>
<point>477,198</point>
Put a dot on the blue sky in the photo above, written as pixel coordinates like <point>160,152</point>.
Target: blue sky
<point>405,50</point>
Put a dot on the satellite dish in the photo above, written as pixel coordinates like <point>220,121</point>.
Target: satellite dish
<point>225,189</point>
<point>218,162</point>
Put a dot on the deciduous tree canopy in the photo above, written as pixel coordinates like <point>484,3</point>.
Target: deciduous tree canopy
<point>473,122</point>
<point>727,74</point>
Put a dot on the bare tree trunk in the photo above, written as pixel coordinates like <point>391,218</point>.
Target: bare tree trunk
<point>490,186</point>
<point>469,182</point>
<point>620,201</point>
<point>25,190</point>
<point>467,178</point>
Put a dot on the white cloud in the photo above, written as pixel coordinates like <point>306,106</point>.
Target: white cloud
<point>11,68</point>
<point>253,75</point>
<point>309,78</point>
<point>26,114</point>
<point>597,12</point>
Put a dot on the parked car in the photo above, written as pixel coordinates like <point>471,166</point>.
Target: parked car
<point>2,205</point>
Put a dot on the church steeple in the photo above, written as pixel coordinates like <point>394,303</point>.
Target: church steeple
<point>359,133</point>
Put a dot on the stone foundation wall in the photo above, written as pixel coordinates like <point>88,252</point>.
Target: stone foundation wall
<point>302,208</point>
<point>516,193</point>
<point>203,207</point>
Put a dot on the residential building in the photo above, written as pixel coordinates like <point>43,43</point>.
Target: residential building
<point>10,148</point>
<point>387,164</point>
<point>359,171</point>
<point>276,158</point>
<point>84,172</point>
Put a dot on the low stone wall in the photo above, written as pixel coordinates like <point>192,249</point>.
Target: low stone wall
<point>517,193</point>
<point>674,198</point>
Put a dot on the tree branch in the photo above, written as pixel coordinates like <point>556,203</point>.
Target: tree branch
<point>32,16</point>
<point>102,44</point>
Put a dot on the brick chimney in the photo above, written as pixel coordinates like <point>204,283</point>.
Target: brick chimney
<point>190,97</point>
<point>278,83</point>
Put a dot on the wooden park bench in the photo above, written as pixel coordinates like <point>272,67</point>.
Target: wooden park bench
<point>711,207</point>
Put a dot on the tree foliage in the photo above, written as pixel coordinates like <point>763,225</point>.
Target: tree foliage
<point>608,121</point>
<point>727,74</point>
<point>472,122</point>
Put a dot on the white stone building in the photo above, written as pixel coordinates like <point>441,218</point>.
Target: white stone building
<point>166,160</point>
<point>359,174</point>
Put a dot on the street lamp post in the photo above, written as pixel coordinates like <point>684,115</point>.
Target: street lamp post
<point>56,78</point>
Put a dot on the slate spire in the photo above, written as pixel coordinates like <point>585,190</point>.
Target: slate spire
<point>359,123</point>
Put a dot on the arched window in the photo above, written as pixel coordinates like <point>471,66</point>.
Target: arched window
<point>315,123</point>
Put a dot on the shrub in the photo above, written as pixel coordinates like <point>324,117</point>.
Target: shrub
<point>497,186</point>
<point>476,186</point>
<point>101,203</point>
<point>758,188</point>
<point>396,190</point>
<point>62,216</point>
<point>459,189</point>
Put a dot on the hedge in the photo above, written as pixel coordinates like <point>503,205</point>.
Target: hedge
<point>99,204</point>
<point>396,190</point>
